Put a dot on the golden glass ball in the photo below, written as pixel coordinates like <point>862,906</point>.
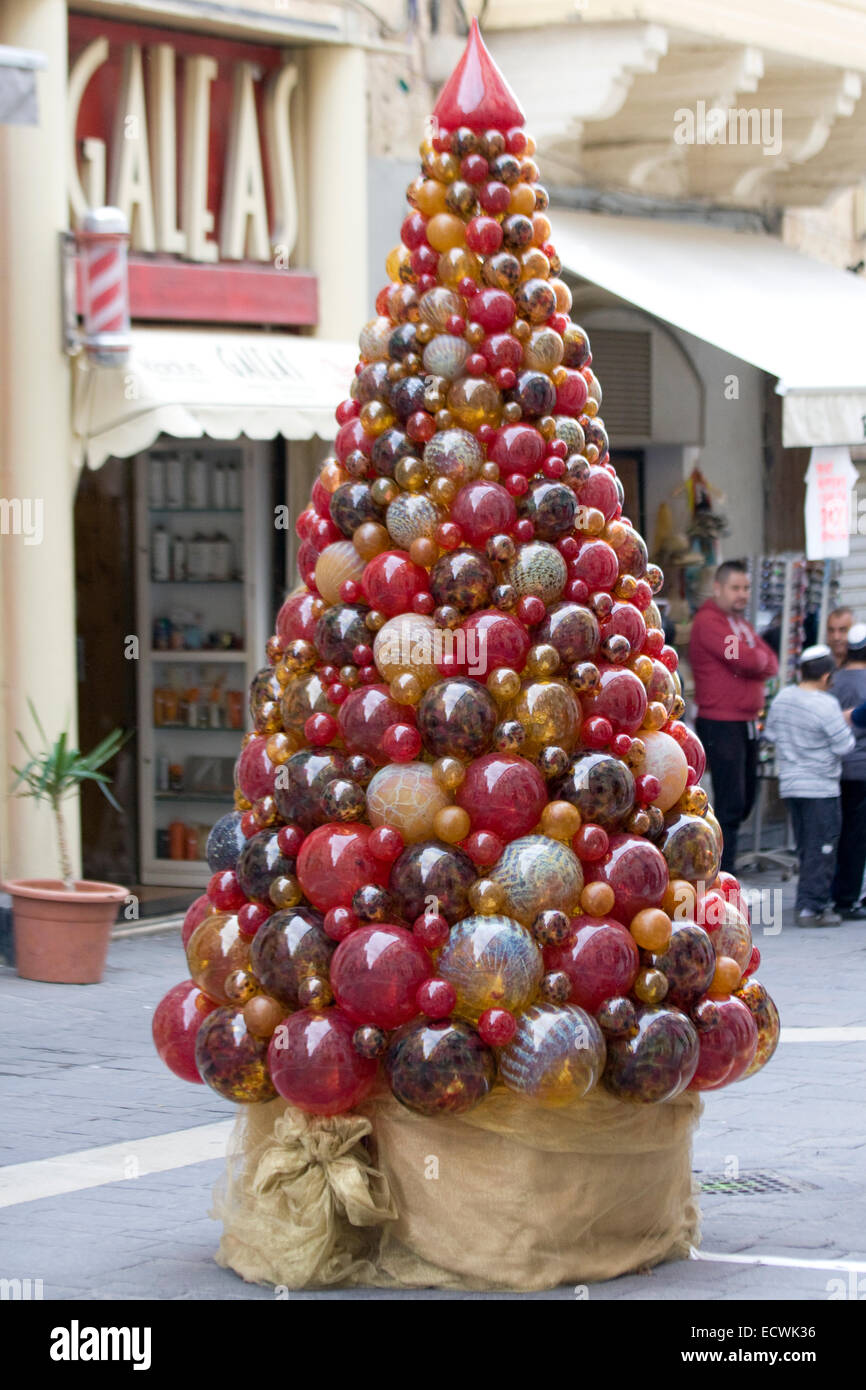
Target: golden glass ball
<point>522,200</point>
<point>376,417</point>
<point>560,820</point>
<point>442,491</point>
<point>474,334</point>
<point>262,1014</point>
<point>694,801</point>
<point>285,891</point>
<point>486,897</point>
<point>424,552</point>
<point>625,588</point>
<point>383,491</point>
<point>332,475</point>
<point>651,929</point>
<point>449,773</point>
<point>429,196</point>
<point>643,668</point>
<point>726,977</point>
<point>374,620</point>
<point>615,533</point>
<point>451,824</point>
<point>490,471</point>
<point>544,350</point>
<point>564,297</point>
<point>655,718</point>
<point>445,231</point>
<point>406,689</point>
<point>337,563</point>
<point>534,265</point>
<point>370,539</point>
<point>503,683</point>
<point>651,986</point>
<point>597,899</point>
<point>410,473</point>
<point>279,747</point>
<point>458,264</point>
<point>542,660</point>
<point>475,401</point>
<point>549,714</point>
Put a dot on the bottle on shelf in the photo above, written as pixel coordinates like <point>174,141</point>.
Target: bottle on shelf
<point>162,773</point>
<point>178,558</point>
<point>220,489</point>
<point>190,847</point>
<point>215,708</point>
<point>234,489</point>
<point>197,482</point>
<point>160,555</point>
<point>175,482</point>
<point>156,481</point>
<point>177,840</point>
<point>192,698</point>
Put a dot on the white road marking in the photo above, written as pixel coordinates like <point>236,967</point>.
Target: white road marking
<point>779,1261</point>
<point>73,1172</point>
<point>852,1032</point>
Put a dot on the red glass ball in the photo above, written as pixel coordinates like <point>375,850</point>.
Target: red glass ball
<point>455,324</point>
<point>620,698</point>
<point>637,873</point>
<point>597,565</point>
<point>195,913</point>
<point>314,1065</point>
<point>420,426</point>
<point>483,848</point>
<point>524,530</point>
<point>494,196</point>
<point>558,322</point>
<point>448,535</point>
<point>516,140</point>
<point>425,281</point>
<point>654,642</point>
<point>502,350</point>
<point>290,838</point>
<point>334,861</point>
<point>531,610</point>
<point>625,620</point>
<point>320,729</point>
<point>496,1027</point>
<point>254,772</point>
<point>642,596</point>
<point>386,843</point>
<point>668,657</point>
<point>494,310</point>
<point>476,364</point>
<point>505,378</point>
<point>225,892</point>
<point>646,788</point>
<point>249,824</point>
<point>392,580</point>
<point>423,604</point>
<point>482,509</point>
<point>367,715</point>
<point>436,998</point>
<point>347,410</point>
<point>553,467</point>
<point>571,394</point>
<point>352,436</point>
<point>596,731</point>
<point>339,922</point>
<point>503,794</point>
<point>753,963</point>
<point>599,490</point>
<point>577,590</point>
<point>424,262</point>
<point>297,618</point>
<point>728,1038</point>
<point>431,930</point>
<point>304,522</point>
<point>376,973</point>
<point>492,639</point>
<point>600,959</point>
<point>413,232</point>
<point>591,842</point>
<point>516,484</point>
<point>474,169</point>
<point>252,916</point>
<point>336,694</point>
<point>693,748</point>
<point>484,235</point>
<point>519,449</point>
<point>176,1021</point>
<point>621,744</point>
<point>350,591</point>
<point>401,743</point>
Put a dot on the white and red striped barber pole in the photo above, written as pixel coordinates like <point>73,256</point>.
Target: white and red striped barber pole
<point>102,244</point>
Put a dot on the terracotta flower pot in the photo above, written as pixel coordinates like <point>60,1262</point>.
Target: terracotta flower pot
<point>61,934</point>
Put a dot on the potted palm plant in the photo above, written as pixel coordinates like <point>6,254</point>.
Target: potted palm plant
<point>62,926</point>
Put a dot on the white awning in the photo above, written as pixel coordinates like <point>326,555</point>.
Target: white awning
<point>750,295</point>
<point>188,382</point>
<point>18,101</point>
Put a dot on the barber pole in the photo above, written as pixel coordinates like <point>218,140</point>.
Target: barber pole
<point>103,239</point>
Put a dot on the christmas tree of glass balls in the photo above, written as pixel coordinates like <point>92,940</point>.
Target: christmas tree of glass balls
<point>469,845</point>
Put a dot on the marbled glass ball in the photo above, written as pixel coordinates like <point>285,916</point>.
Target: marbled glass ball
<point>352,505</point>
<point>339,631</point>
<point>691,848</point>
<point>493,963</point>
<point>457,718</point>
<point>537,569</point>
<point>287,949</point>
<point>432,877</point>
<point>261,861</point>
<point>538,874</point>
<point>303,696</point>
<point>658,1062</point>
<point>688,963</point>
<point>301,784</point>
<point>572,630</point>
<point>556,1056</point>
<point>411,517</point>
<point>454,454</point>
<point>232,1061</point>
<point>600,786</point>
<point>551,507</point>
<point>439,1067</point>
<point>225,842</point>
<point>464,579</point>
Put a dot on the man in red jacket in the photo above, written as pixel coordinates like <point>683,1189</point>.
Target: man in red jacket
<point>730,664</point>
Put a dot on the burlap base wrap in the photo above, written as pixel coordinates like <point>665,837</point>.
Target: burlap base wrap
<point>508,1197</point>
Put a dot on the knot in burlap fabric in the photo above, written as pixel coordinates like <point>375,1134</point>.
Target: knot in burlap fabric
<point>507,1197</point>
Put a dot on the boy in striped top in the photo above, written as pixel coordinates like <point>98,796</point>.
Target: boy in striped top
<point>811,737</point>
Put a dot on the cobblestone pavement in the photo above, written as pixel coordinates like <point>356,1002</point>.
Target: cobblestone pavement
<point>78,1072</point>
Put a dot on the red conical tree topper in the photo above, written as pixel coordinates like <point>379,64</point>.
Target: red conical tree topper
<point>476,94</point>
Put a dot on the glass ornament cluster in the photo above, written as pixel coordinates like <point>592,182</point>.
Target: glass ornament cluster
<point>469,846</point>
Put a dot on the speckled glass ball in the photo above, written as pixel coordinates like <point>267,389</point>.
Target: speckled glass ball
<point>457,718</point>
<point>548,713</point>
<point>657,1062</point>
<point>454,454</point>
<point>463,579</point>
<point>688,963</point>
<point>389,448</point>
<point>537,569</point>
<point>265,689</point>
<point>691,848</point>
<point>302,697</point>
<point>600,786</point>
<point>556,1056</point>
<point>492,962</point>
<point>431,870</point>
<point>225,842</point>
<point>572,630</point>
<point>407,797</point>
<point>632,554</point>
<point>439,1067</point>
<point>233,1061</point>
<point>536,301</point>
<point>301,785</point>
<point>406,645</point>
<point>538,874</point>
<point>351,505</point>
<point>551,507</point>
<point>570,431</point>
<point>344,800</point>
<point>412,517</point>
<point>339,631</point>
<point>291,946</point>
<point>260,862</point>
